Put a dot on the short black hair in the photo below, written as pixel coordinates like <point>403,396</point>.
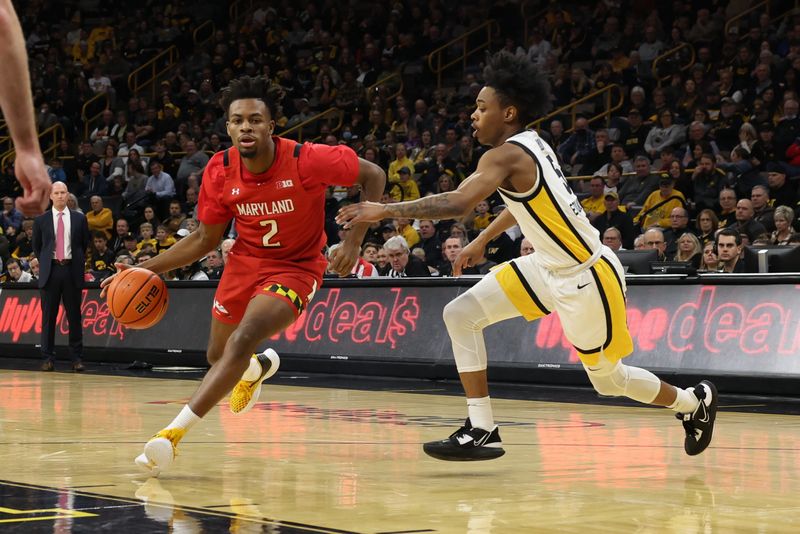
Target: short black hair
<point>518,82</point>
<point>258,87</point>
<point>730,232</point>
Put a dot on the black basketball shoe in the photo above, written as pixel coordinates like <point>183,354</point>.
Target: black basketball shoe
<point>699,426</point>
<point>467,444</point>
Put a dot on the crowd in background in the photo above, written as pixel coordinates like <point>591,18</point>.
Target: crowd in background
<point>689,152</point>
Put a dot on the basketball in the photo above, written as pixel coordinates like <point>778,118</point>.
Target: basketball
<point>137,298</point>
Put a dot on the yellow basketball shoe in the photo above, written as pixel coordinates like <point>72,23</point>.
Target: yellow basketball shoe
<point>245,394</point>
<point>160,451</point>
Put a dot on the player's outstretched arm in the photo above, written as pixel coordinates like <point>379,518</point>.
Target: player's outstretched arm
<point>16,102</point>
<point>189,249</point>
<point>493,169</point>
<point>470,254</point>
<point>372,180</point>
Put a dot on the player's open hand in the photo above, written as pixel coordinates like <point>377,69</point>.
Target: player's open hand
<point>468,257</point>
<point>32,175</point>
<point>343,259</point>
<point>107,281</point>
<point>361,212</point>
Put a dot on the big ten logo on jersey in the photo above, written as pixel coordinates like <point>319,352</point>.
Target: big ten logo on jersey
<point>284,184</point>
<point>142,305</point>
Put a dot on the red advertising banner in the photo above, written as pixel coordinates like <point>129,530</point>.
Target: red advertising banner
<point>724,328</point>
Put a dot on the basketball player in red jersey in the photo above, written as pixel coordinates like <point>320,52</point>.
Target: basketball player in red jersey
<point>274,189</point>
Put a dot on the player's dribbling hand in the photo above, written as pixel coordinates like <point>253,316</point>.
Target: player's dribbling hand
<point>468,257</point>
<point>32,175</point>
<point>361,212</point>
<point>343,259</point>
<point>107,281</point>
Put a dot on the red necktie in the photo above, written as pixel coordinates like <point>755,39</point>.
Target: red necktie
<point>60,253</point>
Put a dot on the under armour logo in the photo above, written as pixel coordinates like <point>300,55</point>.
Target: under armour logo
<point>220,308</point>
<point>235,191</point>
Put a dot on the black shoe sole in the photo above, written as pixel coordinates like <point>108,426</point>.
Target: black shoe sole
<point>435,449</point>
<point>706,438</point>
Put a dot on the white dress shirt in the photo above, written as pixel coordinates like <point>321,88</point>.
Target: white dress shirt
<point>67,239</point>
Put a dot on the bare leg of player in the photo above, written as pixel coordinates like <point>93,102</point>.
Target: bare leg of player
<point>265,316</point>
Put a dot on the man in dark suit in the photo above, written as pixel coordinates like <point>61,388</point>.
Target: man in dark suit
<point>60,239</point>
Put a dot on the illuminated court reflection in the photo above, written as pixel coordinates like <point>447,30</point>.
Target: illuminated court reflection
<point>324,460</point>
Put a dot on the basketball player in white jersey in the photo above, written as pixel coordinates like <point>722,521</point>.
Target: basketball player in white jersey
<point>571,272</point>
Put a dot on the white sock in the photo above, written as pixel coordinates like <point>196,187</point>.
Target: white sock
<point>186,419</point>
<point>685,402</point>
<point>480,413</point>
<point>253,371</point>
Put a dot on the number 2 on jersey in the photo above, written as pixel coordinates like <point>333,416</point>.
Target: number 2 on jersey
<point>273,229</point>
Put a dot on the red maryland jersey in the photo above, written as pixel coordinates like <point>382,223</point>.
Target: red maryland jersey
<point>279,214</point>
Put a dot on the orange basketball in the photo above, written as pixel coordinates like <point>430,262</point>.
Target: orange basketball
<point>137,298</point>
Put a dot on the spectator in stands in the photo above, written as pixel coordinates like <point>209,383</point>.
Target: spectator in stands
<point>94,184</point>
<point>193,162</point>
<point>634,190</point>
<point>15,272</point>
<point>709,261</point>
<point>658,206</point>
<point>782,192</point>
<point>666,134</point>
<point>164,239</point>
<point>706,183</point>
<point>11,216</point>
<point>101,259</point>
<point>727,207</point>
<point>594,204</point>
<point>33,265</point>
<point>407,231</point>
<point>707,224</point>
<point>783,218</point>
<point>225,247</point>
<point>614,216</point>
<point>214,265</point>
<point>406,187</point>
<point>612,177</point>
<point>131,244</point>
<point>402,263</point>
<point>555,134</point>
<point>654,240</point>
<point>72,203</point>
<point>175,218</point>
<point>612,238</point>
<point>619,158</point>
<point>430,242</point>
<point>634,134</point>
<point>762,211</point>
<point>787,129</point>
<point>678,225</point>
<point>525,247</point>
<point>84,159</point>
<point>24,249</point>
<point>401,161</point>
<point>600,155</point>
<point>579,145</point>
<point>689,250</point>
<point>121,229</point>
<point>745,224</point>
<point>160,184</point>
<point>451,249</point>
<point>729,250</point>
<point>100,218</point>
<point>193,271</point>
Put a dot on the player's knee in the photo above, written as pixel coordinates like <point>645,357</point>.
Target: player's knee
<point>242,341</point>
<point>608,378</point>
<point>460,314</point>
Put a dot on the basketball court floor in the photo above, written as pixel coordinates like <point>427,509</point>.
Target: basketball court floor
<point>336,455</point>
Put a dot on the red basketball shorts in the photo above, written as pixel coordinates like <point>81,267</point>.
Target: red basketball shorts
<point>245,277</point>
